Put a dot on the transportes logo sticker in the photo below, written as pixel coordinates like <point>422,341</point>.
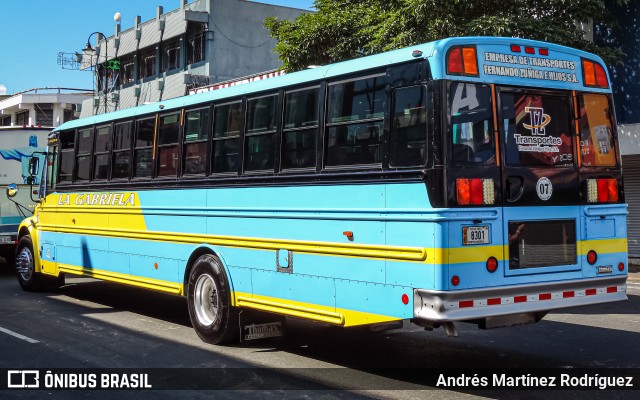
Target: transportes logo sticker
<point>538,120</point>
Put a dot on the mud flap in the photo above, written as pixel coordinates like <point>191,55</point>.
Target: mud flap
<point>258,326</point>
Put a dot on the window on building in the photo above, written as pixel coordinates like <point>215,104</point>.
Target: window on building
<point>22,118</point>
<point>168,145</point>
<point>44,114</point>
<point>143,151</point>
<point>300,128</point>
<point>147,63</point>
<point>122,136</point>
<point>196,34</point>
<point>5,121</point>
<point>67,146</point>
<point>355,121</point>
<point>196,128</point>
<point>171,56</point>
<point>127,70</point>
<point>261,129</point>
<point>226,138</point>
<point>83,155</point>
<point>101,153</point>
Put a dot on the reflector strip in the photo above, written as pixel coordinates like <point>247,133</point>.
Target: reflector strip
<point>533,298</point>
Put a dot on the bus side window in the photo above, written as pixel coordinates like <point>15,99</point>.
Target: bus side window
<point>226,138</point>
<point>261,129</point>
<point>355,121</point>
<point>101,153</point>
<point>66,156</point>
<point>196,127</point>
<point>122,136</point>
<point>168,145</point>
<point>300,128</point>
<point>83,155</point>
<point>409,127</point>
<point>143,150</point>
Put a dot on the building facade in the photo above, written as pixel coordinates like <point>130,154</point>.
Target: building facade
<point>42,108</point>
<point>626,89</point>
<point>197,44</point>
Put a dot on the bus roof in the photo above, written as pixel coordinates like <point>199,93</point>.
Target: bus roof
<point>560,68</point>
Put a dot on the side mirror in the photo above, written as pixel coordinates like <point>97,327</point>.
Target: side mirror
<point>34,164</point>
<point>12,190</point>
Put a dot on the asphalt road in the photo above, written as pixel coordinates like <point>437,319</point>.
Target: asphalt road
<point>92,324</point>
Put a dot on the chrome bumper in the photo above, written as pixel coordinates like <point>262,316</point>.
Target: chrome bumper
<point>432,306</point>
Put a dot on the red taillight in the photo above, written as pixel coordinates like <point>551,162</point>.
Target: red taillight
<point>405,299</point>
<point>530,50</point>
<point>612,188</point>
<point>454,64</point>
<point>592,257</point>
<point>475,191</point>
<point>594,74</point>
<point>621,267</point>
<point>455,281</point>
<point>515,48</point>
<point>492,264</point>
<point>463,191</point>
<point>543,52</point>
<point>462,60</point>
<point>602,190</point>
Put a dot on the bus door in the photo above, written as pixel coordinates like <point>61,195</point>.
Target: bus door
<point>540,182</point>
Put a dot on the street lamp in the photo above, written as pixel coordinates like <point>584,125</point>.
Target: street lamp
<point>90,51</point>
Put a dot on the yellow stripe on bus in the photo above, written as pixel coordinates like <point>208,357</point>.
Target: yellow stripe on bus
<point>147,283</point>
<point>315,312</point>
<point>324,248</point>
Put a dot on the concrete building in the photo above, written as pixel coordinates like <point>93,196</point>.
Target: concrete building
<point>199,43</point>
<point>626,91</point>
<point>42,108</point>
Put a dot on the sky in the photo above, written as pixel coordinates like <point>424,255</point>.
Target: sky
<point>35,31</point>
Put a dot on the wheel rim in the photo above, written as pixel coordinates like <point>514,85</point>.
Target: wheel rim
<point>206,300</point>
<point>24,263</point>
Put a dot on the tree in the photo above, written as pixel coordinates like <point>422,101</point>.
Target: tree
<point>345,29</point>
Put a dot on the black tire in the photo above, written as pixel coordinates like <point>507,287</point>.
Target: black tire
<point>209,298</point>
<point>29,279</point>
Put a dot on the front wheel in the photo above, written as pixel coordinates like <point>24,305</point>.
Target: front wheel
<point>29,279</point>
<point>209,297</point>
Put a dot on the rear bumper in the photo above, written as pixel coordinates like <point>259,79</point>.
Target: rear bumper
<point>433,306</point>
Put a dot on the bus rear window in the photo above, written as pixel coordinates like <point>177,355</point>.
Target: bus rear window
<point>537,130</point>
<point>596,136</point>
<point>471,124</point>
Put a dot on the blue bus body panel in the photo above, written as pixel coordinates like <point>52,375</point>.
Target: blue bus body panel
<point>232,222</point>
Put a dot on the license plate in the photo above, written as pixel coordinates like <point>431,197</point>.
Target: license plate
<point>475,234</point>
<point>5,239</point>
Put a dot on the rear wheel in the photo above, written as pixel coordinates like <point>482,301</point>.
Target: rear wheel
<point>209,297</point>
<point>29,279</point>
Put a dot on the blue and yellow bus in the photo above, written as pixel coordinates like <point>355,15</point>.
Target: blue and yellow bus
<point>470,179</point>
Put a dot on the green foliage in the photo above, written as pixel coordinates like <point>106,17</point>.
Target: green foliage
<point>345,29</point>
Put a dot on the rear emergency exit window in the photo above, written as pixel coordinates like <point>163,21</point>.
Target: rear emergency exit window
<point>537,130</point>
